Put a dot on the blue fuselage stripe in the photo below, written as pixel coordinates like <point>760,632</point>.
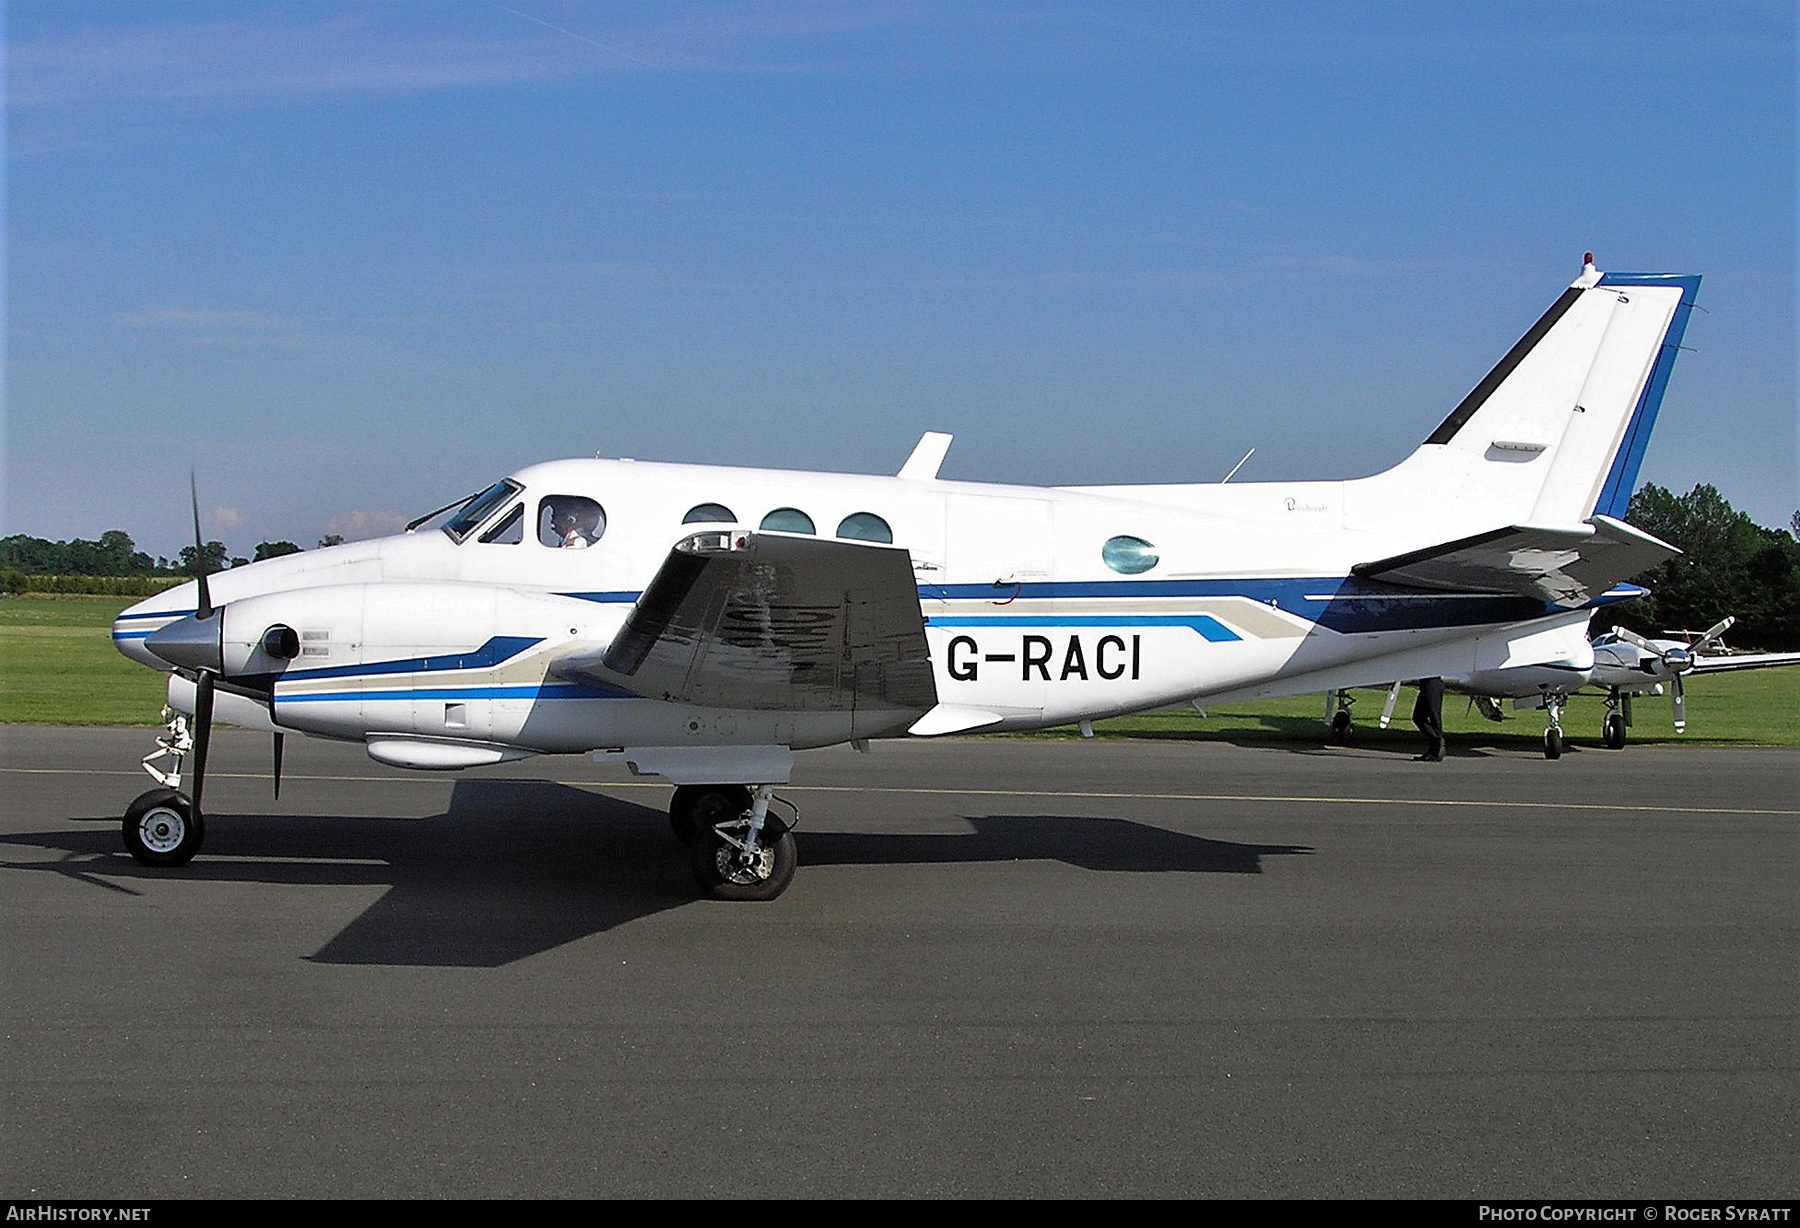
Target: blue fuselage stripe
<point>1210,628</point>
<point>438,694</point>
<point>498,650</point>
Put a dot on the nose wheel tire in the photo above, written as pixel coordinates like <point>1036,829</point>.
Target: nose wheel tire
<point>1612,731</point>
<point>1553,743</point>
<point>162,828</point>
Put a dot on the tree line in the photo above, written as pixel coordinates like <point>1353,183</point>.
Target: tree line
<point>1730,566</point>
<point>112,563</point>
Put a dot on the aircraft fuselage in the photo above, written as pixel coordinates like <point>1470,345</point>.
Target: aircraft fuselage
<point>1042,606</point>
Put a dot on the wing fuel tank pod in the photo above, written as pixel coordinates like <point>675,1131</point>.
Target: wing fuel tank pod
<point>426,756</point>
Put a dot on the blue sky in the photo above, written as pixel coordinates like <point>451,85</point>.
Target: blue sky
<point>351,260</point>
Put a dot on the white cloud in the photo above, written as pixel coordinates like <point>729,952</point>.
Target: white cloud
<point>358,525</point>
<point>246,60</point>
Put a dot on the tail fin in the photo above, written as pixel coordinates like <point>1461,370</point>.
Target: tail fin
<point>1556,433</point>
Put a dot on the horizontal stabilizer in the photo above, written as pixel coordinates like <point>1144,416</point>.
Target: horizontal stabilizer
<point>1563,566</point>
<point>771,622</point>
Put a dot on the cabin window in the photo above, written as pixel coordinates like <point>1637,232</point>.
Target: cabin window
<point>480,508</point>
<point>788,520</point>
<point>570,522</point>
<point>865,527</point>
<point>509,530</point>
<point>1129,555</point>
<point>709,513</point>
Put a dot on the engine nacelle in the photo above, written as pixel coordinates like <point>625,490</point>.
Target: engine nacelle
<point>362,660</point>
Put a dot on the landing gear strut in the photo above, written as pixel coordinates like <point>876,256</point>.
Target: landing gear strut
<point>736,848</point>
<point>1553,736</point>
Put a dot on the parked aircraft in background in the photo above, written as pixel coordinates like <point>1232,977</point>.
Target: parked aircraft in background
<point>1627,664</point>
<point>702,623</point>
<point>1619,662</point>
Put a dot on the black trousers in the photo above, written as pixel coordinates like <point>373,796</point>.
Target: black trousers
<point>1428,714</point>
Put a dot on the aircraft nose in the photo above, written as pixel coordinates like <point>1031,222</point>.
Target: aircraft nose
<point>190,643</point>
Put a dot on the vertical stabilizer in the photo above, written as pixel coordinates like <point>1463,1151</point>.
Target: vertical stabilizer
<point>1556,432</point>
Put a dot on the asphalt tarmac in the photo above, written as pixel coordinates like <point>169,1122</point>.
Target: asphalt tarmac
<point>1007,968</point>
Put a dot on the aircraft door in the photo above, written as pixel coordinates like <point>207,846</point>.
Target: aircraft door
<point>999,541</point>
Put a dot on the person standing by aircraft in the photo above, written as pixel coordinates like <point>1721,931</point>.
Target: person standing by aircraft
<point>1428,715</point>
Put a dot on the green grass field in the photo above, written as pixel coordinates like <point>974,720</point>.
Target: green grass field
<point>58,667</point>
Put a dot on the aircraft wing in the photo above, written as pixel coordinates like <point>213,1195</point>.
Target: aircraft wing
<point>1742,660</point>
<point>1564,566</point>
<point>772,622</point>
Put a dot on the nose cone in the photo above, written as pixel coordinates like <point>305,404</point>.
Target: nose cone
<point>190,643</point>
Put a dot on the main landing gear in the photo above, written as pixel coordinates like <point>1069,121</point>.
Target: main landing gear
<point>736,848</point>
<point>163,827</point>
<point>1340,720</point>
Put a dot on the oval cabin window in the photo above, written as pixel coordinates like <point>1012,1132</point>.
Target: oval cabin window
<point>788,520</point>
<point>1129,555</point>
<point>709,513</point>
<point>865,527</point>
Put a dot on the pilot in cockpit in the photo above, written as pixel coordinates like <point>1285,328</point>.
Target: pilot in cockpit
<point>568,529</point>
<point>571,522</point>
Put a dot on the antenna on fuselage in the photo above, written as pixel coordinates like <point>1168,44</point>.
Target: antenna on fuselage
<point>927,455</point>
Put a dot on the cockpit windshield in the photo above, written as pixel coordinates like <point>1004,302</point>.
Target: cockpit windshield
<point>480,508</point>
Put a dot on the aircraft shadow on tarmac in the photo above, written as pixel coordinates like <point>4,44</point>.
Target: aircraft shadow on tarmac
<point>515,868</point>
<point>1090,843</point>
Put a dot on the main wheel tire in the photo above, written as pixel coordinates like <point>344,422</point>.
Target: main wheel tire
<point>695,808</point>
<point>162,828</point>
<point>1341,727</point>
<point>1553,743</point>
<point>1612,731</point>
<point>722,873</point>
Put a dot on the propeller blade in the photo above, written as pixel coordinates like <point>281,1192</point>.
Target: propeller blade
<point>206,605</point>
<point>203,710</point>
<point>1679,701</point>
<point>277,766</point>
<point>1637,641</point>
<point>1715,633</point>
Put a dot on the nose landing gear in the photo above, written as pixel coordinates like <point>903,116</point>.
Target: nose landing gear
<point>163,826</point>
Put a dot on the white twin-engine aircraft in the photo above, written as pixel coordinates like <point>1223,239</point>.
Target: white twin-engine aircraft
<point>1620,663</point>
<point>701,624</point>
